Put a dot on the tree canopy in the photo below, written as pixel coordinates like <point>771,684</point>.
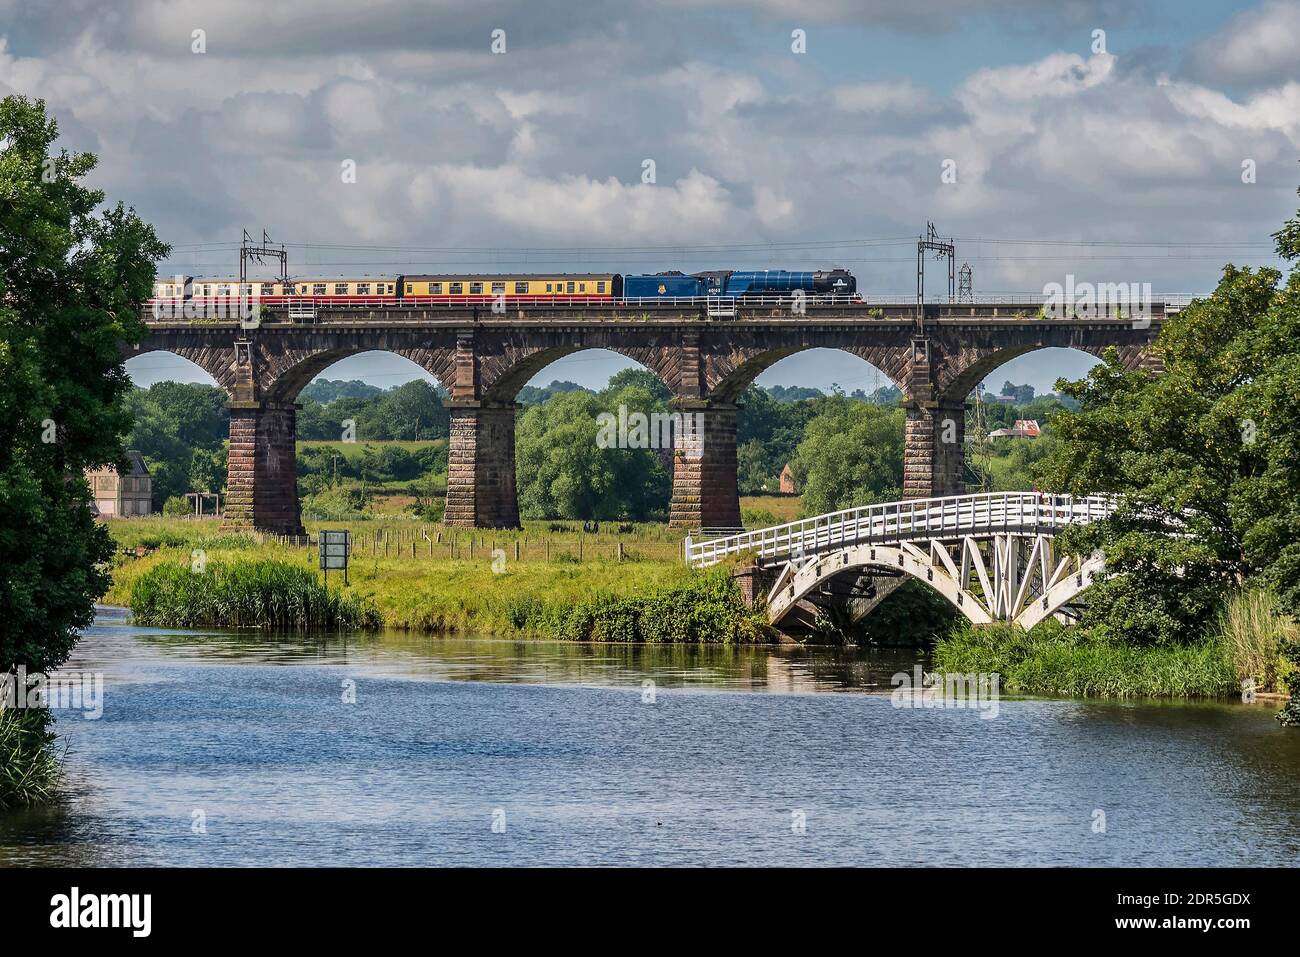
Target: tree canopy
<point>1206,454</point>
<point>72,278</point>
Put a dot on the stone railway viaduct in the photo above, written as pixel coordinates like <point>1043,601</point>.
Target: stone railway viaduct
<point>935,359</point>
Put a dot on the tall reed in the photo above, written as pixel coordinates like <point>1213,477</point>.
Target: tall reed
<point>1255,630</point>
<point>266,593</point>
<point>29,766</point>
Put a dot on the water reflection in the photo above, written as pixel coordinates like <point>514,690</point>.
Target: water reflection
<point>114,642</point>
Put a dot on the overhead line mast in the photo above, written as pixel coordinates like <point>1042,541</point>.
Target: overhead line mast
<point>943,249</point>
<point>259,254</point>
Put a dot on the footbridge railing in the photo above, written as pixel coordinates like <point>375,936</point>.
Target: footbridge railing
<point>952,516</point>
<point>989,554</point>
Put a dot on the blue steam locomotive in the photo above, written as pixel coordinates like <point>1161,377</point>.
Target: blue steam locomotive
<point>738,283</point>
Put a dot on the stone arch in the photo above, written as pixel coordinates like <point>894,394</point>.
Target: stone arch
<point>217,362</point>
<point>512,359</point>
<point>770,361</point>
<point>664,434</point>
<point>285,368</point>
<point>729,374</point>
<point>966,368</point>
<point>186,362</point>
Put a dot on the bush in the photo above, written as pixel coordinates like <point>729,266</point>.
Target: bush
<point>177,506</point>
<point>707,609</point>
<point>266,594</point>
<point>1290,715</point>
<point>758,518</point>
<point>342,504</point>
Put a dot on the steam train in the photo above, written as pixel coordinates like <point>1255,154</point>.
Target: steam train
<point>469,289</point>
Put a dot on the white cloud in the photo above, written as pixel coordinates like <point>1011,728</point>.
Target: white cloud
<point>879,97</point>
<point>456,148</point>
<point>1257,46</point>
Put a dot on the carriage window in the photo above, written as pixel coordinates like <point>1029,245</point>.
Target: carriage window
<point>600,287</point>
<point>340,289</point>
<point>521,288</point>
<point>318,289</point>
<point>363,289</point>
<point>582,287</point>
<point>548,287</point>
<point>409,288</point>
<point>223,289</point>
<point>455,288</point>
<point>498,287</point>
<point>476,288</point>
<point>435,289</point>
<point>570,289</point>
<point>268,289</point>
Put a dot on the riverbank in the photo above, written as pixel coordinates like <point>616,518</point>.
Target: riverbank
<point>1058,661</point>
<point>598,600</point>
<point>555,581</point>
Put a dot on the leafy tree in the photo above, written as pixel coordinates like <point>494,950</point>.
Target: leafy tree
<point>641,378</point>
<point>792,393</point>
<point>564,473</point>
<point>325,391</point>
<point>752,468</point>
<point>413,410</point>
<point>72,278</point>
<point>180,428</point>
<point>1023,394</point>
<point>1205,454</point>
<point>534,395</point>
<point>852,455</point>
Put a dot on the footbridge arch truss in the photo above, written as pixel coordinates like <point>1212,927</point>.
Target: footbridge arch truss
<point>991,555</point>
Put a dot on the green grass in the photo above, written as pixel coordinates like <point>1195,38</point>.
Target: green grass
<point>29,766</point>
<point>472,584</point>
<point>1055,661</point>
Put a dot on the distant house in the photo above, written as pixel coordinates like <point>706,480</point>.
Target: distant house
<point>1023,429</point>
<point>120,496</point>
<point>787,480</point>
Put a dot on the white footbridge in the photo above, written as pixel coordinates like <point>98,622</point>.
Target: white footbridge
<point>991,555</point>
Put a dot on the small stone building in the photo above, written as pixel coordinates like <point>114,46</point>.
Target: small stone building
<point>122,496</point>
<point>787,480</point>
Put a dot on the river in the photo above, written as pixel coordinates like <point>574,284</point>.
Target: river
<point>221,749</point>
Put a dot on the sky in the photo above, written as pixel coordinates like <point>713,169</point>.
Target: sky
<point>1104,139</point>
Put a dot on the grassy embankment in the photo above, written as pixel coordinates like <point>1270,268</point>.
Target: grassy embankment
<point>473,584</point>
<point>547,592</point>
<point>1248,642</point>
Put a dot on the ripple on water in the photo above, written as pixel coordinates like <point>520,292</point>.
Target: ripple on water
<point>252,737</point>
